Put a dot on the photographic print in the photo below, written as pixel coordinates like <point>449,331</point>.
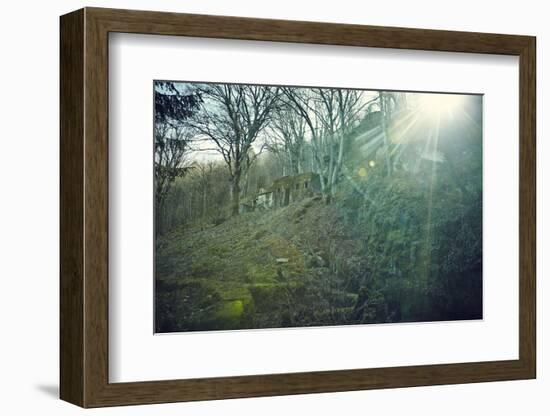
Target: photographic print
<point>293,206</point>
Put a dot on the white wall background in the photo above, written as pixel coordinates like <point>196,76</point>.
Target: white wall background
<point>29,207</point>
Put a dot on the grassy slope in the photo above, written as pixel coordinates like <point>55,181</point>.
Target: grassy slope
<point>237,261</point>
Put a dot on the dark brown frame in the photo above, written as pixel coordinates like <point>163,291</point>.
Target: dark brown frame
<point>84,208</point>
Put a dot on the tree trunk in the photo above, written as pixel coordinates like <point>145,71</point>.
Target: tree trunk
<point>235,193</point>
<point>385,134</point>
<point>338,166</point>
<point>204,202</point>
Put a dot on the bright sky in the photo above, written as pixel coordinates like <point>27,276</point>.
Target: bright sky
<point>205,150</point>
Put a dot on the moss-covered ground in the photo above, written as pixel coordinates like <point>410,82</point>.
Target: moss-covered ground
<point>245,272</point>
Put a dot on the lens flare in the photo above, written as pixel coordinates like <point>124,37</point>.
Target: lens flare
<point>438,105</point>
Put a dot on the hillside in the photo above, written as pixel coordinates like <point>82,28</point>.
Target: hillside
<point>412,255</point>
<point>254,270</point>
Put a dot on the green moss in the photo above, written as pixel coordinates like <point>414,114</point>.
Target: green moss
<point>230,311</point>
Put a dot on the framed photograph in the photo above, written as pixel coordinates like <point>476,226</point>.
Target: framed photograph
<point>260,207</point>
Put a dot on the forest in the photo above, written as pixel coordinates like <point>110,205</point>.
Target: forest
<point>281,206</point>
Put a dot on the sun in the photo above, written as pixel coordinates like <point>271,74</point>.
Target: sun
<point>441,104</point>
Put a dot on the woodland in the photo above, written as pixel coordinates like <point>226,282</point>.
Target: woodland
<point>391,232</point>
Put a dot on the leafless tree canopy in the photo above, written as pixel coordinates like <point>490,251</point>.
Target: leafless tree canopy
<point>233,117</point>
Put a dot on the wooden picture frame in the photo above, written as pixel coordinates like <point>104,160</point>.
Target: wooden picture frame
<point>84,207</point>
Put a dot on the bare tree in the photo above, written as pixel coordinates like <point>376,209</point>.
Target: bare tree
<point>232,117</point>
<point>287,141</point>
<point>204,171</point>
<point>387,103</point>
<point>341,108</point>
<point>330,115</point>
<point>302,101</point>
<point>171,151</point>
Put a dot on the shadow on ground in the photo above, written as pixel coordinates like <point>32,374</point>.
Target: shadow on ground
<point>51,390</point>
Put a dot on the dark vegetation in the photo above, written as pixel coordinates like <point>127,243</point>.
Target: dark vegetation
<point>393,235</point>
